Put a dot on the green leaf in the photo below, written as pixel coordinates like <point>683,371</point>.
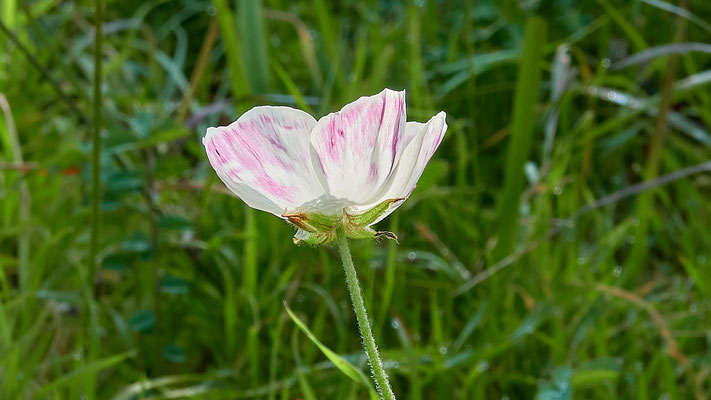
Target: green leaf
<point>142,321</point>
<point>347,368</point>
<point>174,353</point>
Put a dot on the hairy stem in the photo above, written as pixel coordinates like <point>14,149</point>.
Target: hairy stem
<point>371,349</point>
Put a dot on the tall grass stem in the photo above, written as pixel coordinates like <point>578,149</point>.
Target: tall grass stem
<point>96,153</point>
<point>519,147</point>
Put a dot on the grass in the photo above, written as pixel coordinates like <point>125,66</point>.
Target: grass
<point>557,246</point>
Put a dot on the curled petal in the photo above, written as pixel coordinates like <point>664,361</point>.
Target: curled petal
<point>265,159</point>
<point>410,166</point>
<point>357,147</point>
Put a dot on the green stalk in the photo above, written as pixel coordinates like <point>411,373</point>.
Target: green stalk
<point>371,349</point>
<point>96,154</point>
<point>645,202</point>
<point>89,315</point>
<point>519,147</point>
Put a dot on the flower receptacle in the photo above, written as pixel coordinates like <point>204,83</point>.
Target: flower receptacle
<point>315,229</point>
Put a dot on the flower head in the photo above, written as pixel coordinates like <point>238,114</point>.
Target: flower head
<point>351,168</point>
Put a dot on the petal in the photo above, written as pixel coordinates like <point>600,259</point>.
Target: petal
<point>357,147</point>
<point>265,159</point>
<point>411,165</point>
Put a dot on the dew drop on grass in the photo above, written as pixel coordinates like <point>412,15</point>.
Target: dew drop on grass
<point>630,239</point>
<point>442,350</point>
<point>605,63</point>
<point>395,324</point>
<point>557,190</point>
<point>411,256</point>
<point>617,271</point>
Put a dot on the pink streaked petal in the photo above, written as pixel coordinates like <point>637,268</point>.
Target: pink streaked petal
<point>411,164</point>
<point>264,158</point>
<point>357,147</point>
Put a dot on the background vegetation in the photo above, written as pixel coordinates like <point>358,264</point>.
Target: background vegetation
<point>557,247</point>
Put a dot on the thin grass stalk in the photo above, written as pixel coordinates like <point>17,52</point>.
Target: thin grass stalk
<point>199,70</point>
<point>96,140</point>
<point>256,68</point>
<point>89,315</point>
<point>638,255</point>
<point>24,199</point>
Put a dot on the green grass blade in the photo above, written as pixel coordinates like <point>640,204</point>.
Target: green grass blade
<point>344,366</point>
<point>254,45</point>
<point>519,148</point>
<point>228,34</point>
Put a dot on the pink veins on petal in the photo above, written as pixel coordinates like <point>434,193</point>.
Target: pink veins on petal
<point>279,158</point>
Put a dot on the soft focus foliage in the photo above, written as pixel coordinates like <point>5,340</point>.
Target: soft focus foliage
<point>529,263</point>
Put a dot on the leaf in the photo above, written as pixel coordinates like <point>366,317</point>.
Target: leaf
<point>347,368</point>
<point>559,388</point>
<point>173,285</point>
<point>142,321</point>
<point>174,353</point>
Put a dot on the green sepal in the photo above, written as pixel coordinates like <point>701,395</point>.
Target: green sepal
<point>368,217</point>
<point>366,232</point>
<point>313,238</point>
<point>313,222</point>
<point>316,229</point>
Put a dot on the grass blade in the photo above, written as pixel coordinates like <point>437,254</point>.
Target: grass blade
<point>344,366</point>
<point>525,99</point>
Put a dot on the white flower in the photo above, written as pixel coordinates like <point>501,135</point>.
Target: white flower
<point>351,168</point>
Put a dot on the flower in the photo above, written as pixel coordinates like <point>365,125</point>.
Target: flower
<point>351,168</point>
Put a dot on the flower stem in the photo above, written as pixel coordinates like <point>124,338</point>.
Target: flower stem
<point>371,349</point>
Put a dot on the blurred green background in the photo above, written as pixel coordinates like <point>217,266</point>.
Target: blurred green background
<point>557,246</point>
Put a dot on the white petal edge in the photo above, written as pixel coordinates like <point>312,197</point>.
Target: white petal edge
<point>358,146</point>
<point>411,165</point>
<point>265,158</point>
